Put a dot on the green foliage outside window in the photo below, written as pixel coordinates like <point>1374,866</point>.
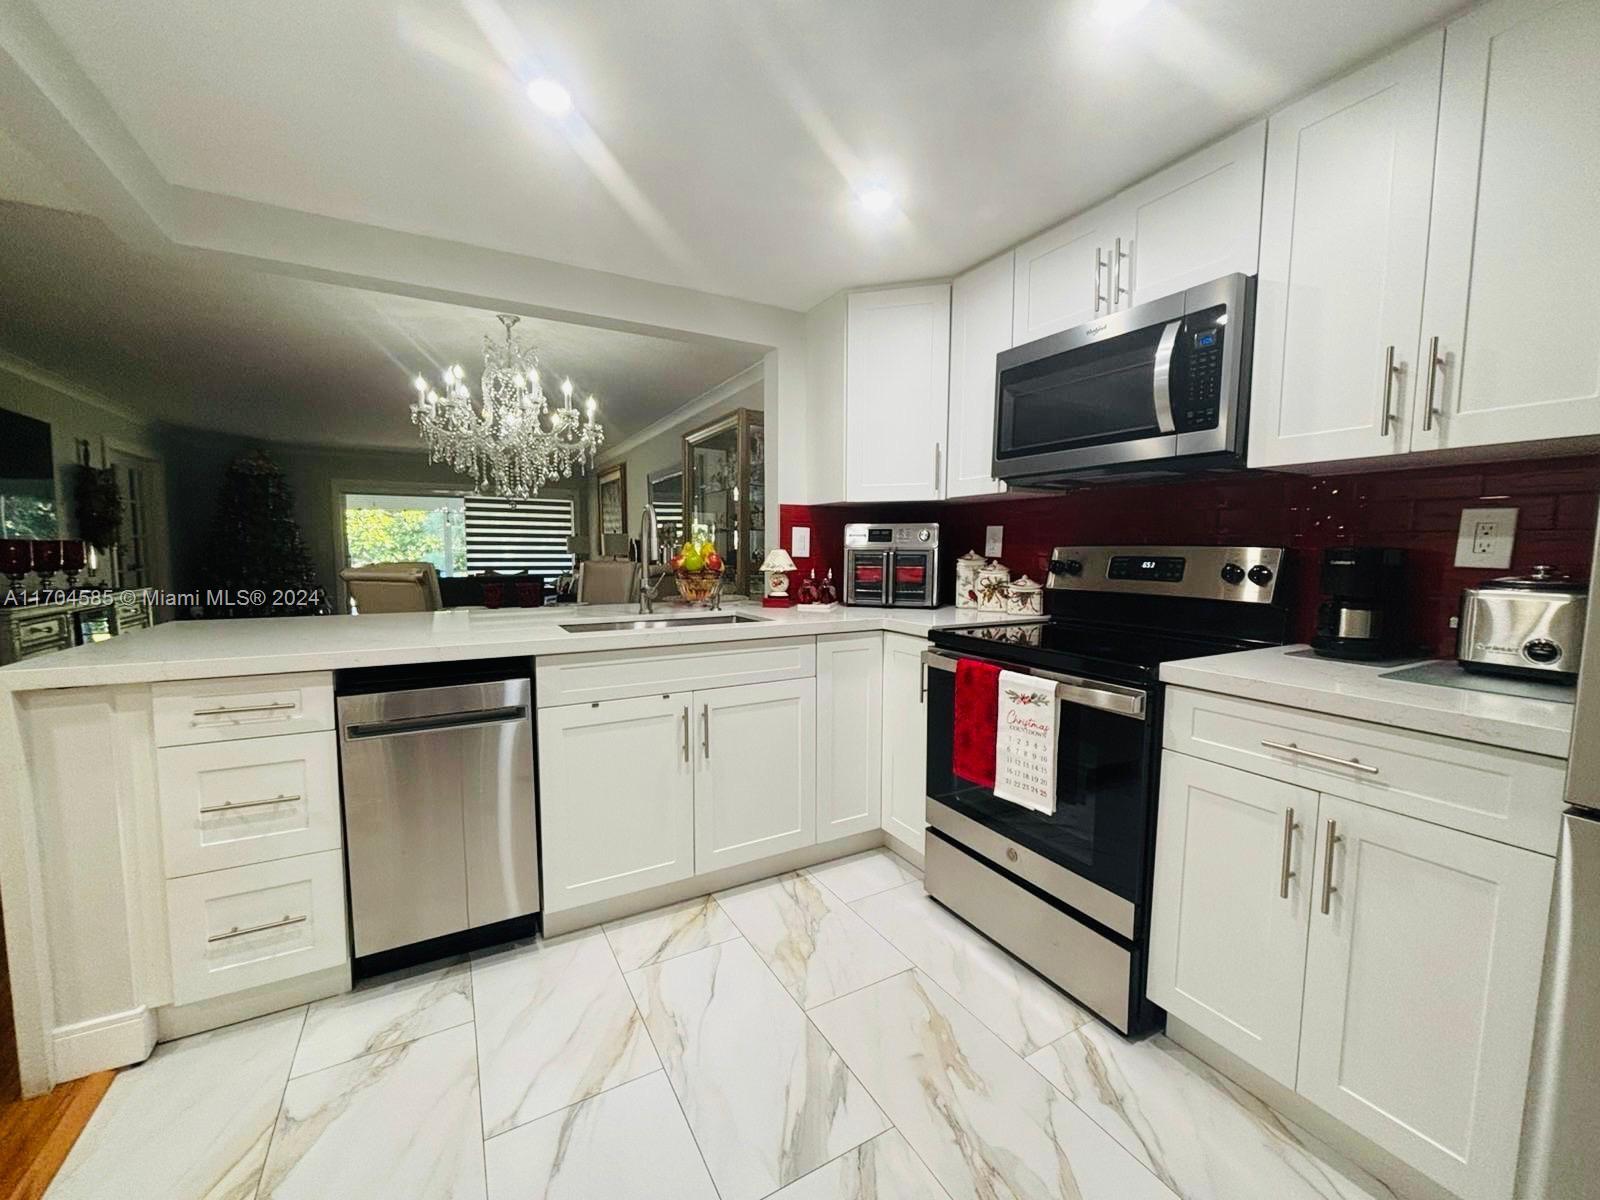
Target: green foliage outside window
<point>436,535</point>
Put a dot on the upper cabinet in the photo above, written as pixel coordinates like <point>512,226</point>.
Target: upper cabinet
<point>1063,277</point>
<point>1430,247</point>
<point>1344,234</point>
<point>980,328</point>
<point>896,392</point>
<point>1513,286</point>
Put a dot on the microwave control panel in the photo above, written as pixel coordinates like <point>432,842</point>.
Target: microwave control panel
<point>1199,394</point>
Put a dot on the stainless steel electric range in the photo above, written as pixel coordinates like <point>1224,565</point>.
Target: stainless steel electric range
<point>1068,892</point>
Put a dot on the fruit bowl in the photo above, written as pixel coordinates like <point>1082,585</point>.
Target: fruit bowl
<point>697,568</point>
<point>696,586</point>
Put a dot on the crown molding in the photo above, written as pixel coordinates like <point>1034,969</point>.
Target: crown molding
<point>709,398</point>
<point>22,368</point>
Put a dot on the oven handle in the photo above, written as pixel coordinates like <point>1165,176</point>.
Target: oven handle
<point>1161,384</point>
<point>1070,689</point>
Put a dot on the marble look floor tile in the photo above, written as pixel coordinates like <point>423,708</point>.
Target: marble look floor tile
<point>1204,1136</point>
<point>383,1013</point>
<point>862,875</point>
<point>766,1096</point>
<point>815,945</point>
<point>985,1123</point>
<point>401,1124</point>
<point>883,1169</point>
<point>1025,1011</point>
<point>654,937</point>
<point>556,1024</point>
<point>629,1142</point>
<point>190,1123</point>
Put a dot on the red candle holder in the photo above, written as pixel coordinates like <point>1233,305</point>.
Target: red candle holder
<point>46,559</point>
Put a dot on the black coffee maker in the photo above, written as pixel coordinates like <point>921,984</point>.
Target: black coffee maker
<point>1362,615</point>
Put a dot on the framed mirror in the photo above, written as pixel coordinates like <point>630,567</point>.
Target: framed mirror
<point>611,486</point>
<point>665,487</point>
<point>724,492</point>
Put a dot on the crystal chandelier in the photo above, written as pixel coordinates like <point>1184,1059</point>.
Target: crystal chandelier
<point>513,441</point>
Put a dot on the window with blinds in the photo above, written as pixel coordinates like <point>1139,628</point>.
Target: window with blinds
<point>528,536</point>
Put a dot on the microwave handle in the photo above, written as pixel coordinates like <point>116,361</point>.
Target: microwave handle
<point>1161,385</point>
<point>1070,689</point>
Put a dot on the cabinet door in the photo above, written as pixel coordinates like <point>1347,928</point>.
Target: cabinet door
<point>980,327</point>
<point>849,734</point>
<point>897,393</point>
<point>1230,905</point>
<point>1063,277</point>
<point>755,772</point>
<point>1196,221</point>
<point>616,798</point>
<point>1513,289</point>
<point>1420,990</point>
<point>905,740</point>
<point>1344,236</point>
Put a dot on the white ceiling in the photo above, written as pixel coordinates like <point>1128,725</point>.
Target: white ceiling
<point>220,347</point>
<point>715,143</point>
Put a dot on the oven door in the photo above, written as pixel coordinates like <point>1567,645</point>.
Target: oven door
<point>866,576</point>
<point>1092,854</point>
<point>912,579</point>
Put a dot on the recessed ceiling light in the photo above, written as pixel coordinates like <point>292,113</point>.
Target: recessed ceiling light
<point>1115,12</point>
<point>549,96</point>
<point>876,199</point>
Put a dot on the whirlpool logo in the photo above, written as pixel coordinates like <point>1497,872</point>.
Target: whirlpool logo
<point>1094,330</point>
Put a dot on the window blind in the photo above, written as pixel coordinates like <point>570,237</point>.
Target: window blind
<point>528,536</point>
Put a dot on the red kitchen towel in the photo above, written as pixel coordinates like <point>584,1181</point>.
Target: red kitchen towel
<point>977,713</point>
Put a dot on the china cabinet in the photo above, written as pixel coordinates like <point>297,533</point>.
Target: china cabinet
<point>725,495</point>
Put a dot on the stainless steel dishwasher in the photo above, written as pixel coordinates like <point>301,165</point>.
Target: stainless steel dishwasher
<point>440,828</point>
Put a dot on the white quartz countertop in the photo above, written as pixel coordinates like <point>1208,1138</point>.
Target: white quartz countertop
<point>272,645</point>
<point>1293,676</point>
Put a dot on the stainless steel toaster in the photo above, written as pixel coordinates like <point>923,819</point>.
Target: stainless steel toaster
<point>1524,625</point>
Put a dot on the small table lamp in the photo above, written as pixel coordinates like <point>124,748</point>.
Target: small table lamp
<point>776,567</point>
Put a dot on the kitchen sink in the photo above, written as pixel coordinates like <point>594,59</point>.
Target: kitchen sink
<point>660,623</point>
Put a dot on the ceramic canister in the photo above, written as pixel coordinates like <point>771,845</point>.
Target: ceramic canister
<point>1025,598</point>
<point>994,584</point>
<point>967,568</point>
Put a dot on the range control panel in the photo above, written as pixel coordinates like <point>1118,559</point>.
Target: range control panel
<point>1250,574</point>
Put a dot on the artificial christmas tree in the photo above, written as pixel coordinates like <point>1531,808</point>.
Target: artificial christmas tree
<point>256,563</point>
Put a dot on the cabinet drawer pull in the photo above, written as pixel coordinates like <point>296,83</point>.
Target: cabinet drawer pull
<point>230,805</point>
<point>1355,764</point>
<point>237,932</point>
<point>1327,865</point>
<point>1284,872</point>
<point>226,711</point>
<point>1388,392</point>
<point>1433,364</point>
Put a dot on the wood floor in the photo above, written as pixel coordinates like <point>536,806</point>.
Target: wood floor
<point>36,1134</point>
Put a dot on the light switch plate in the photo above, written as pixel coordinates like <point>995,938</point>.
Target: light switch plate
<point>800,541</point>
<point>993,540</point>
<point>1487,537</point>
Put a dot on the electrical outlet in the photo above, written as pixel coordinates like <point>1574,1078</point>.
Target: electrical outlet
<point>993,540</point>
<point>1487,538</point>
<point>800,541</point>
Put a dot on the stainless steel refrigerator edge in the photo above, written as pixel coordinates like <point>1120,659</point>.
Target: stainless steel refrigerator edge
<point>1561,1127</point>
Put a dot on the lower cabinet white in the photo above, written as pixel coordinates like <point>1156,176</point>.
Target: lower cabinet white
<point>616,797</point>
<point>1232,899</point>
<point>1384,967</point>
<point>849,734</point>
<point>905,740</point>
<point>247,926</point>
<point>1421,987</point>
<point>755,783</point>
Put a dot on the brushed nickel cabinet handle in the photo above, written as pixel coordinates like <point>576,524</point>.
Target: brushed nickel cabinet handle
<point>936,468</point>
<point>237,932</point>
<point>1388,392</point>
<point>1327,865</point>
<point>1284,872</point>
<point>1355,764</point>
<point>705,730</point>
<point>685,733</point>
<point>244,708</point>
<point>1117,290</point>
<point>1100,264</point>
<point>1433,364</point>
<point>230,805</point>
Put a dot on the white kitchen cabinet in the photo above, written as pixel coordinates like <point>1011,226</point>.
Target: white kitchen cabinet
<point>616,797</point>
<point>980,328</point>
<point>1513,281</point>
<point>1420,990</point>
<point>905,741</point>
<point>1344,244</point>
<point>755,785</point>
<point>897,392</point>
<point>1063,276</point>
<point>1230,908</point>
<point>1195,221</point>
<point>849,734</point>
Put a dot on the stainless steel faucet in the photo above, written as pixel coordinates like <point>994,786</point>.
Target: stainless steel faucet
<point>649,553</point>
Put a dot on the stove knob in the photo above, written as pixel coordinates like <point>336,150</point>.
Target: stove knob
<point>925,535</point>
<point>1232,574</point>
<point>1069,566</point>
<point>1260,575</point>
<point>1542,651</point>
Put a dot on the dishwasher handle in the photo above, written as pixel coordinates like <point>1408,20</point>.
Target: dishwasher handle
<point>436,721</point>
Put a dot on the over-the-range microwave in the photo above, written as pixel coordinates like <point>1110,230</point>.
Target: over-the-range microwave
<point>1157,389</point>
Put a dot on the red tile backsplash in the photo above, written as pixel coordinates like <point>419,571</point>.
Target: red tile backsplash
<point>1418,510</point>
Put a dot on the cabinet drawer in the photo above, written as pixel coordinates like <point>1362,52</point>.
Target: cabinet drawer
<point>226,804</point>
<point>221,710</point>
<point>33,633</point>
<point>247,926</point>
<point>616,674</point>
<point>1507,795</point>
